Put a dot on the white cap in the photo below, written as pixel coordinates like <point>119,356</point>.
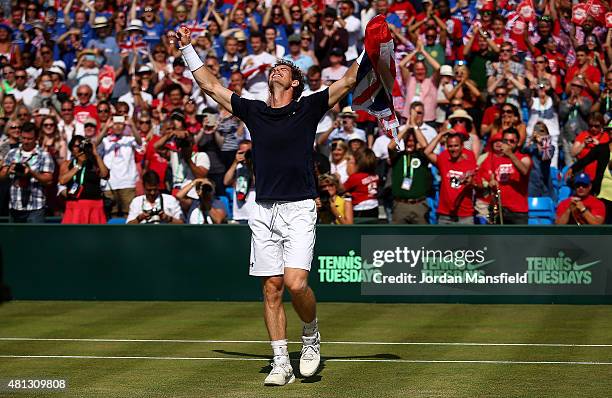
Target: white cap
<point>118,119</point>
<point>355,136</point>
<point>446,70</point>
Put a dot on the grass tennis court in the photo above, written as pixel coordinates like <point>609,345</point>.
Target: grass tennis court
<point>220,349</point>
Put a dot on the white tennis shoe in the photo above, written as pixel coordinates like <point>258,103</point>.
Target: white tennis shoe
<point>281,374</point>
<point>311,356</point>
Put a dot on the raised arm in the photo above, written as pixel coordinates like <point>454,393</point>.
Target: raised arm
<point>341,87</point>
<point>206,80</point>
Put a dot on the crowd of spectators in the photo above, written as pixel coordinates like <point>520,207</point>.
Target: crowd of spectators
<point>101,119</point>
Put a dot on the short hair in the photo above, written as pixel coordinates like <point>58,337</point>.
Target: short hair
<point>150,177</point>
<point>29,127</point>
<point>269,27</point>
<point>331,179</point>
<point>415,104</point>
<point>314,69</point>
<point>366,161</point>
<point>296,74</point>
<point>258,34</point>
<point>174,86</point>
<point>348,3</point>
<point>511,130</point>
<point>596,117</point>
<point>228,38</point>
<point>582,48</point>
<point>75,140</point>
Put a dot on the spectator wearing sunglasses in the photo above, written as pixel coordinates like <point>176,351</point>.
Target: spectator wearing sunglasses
<point>493,112</point>
<point>573,112</point>
<point>478,51</point>
<point>506,73</point>
<point>582,208</point>
<point>461,120</point>
<point>583,70</point>
<point>22,91</point>
<point>589,139</point>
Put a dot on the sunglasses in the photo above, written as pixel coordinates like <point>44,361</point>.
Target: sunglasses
<point>82,94</point>
<point>595,126</point>
<point>103,110</point>
<point>48,124</point>
<point>506,50</point>
<point>508,111</point>
<point>506,141</point>
<point>500,94</point>
<point>455,105</point>
<point>540,61</point>
<point>13,127</point>
<point>581,185</point>
<point>457,120</point>
<point>418,112</point>
<point>334,145</point>
<point>66,109</point>
<point>23,114</point>
<point>145,122</point>
<point>20,76</point>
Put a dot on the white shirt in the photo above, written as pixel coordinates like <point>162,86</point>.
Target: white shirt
<point>26,96</point>
<point>118,155</point>
<point>327,119</point>
<point>181,172</point>
<point>353,27</point>
<point>140,204</point>
<point>128,98</point>
<point>330,74</point>
<point>428,131</point>
<point>70,130</point>
<point>340,170</point>
<point>257,83</point>
<point>380,147</point>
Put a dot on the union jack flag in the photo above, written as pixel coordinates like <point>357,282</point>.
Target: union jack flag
<point>376,76</point>
<point>134,42</point>
<point>195,28</point>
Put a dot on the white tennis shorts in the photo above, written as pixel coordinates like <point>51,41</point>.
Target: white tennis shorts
<point>283,235</point>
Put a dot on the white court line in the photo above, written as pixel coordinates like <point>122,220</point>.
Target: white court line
<point>299,342</point>
<point>326,360</point>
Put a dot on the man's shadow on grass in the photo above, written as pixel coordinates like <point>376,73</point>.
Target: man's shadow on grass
<point>295,357</point>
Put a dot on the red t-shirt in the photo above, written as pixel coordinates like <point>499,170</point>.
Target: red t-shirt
<point>403,10</point>
<point>456,197</point>
<point>591,168</point>
<point>156,162</point>
<point>81,113</point>
<point>595,206</point>
<point>591,74</point>
<point>490,114</point>
<point>512,184</point>
<point>362,187</point>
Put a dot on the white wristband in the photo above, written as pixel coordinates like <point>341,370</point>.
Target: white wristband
<point>191,57</point>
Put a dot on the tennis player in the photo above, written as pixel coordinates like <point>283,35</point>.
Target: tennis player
<point>283,220</point>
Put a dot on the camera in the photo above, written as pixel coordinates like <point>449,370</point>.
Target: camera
<point>19,171</point>
<point>182,143</point>
<point>86,146</point>
<point>154,212</point>
<point>324,197</point>
<point>204,188</point>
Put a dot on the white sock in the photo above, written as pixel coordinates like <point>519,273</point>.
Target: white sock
<point>279,348</point>
<point>310,328</point>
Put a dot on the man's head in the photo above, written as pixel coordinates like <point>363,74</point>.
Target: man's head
<point>420,71</point>
<point>329,17</point>
<point>236,82</point>
<point>231,46</point>
<point>506,51</point>
<point>443,8</point>
<point>431,35</point>
<point>288,76</point>
<point>270,33</point>
<point>596,122</point>
<point>122,108</point>
<point>150,182</point>
<point>257,41</point>
<point>84,94</point>
<point>544,25</point>
<point>347,8</point>
<point>582,185</point>
<point>348,117</point>
<point>454,146</point>
<point>29,136</point>
<point>511,137</point>
<point>582,55</point>
<point>381,6</point>
<point>21,78</point>
<point>294,45</point>
<point>314,77</point>
<point>417,110</point>
<point>336,56</point>
<point>175,95</point>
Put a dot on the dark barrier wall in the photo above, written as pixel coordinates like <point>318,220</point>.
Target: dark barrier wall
<point>51,262</point>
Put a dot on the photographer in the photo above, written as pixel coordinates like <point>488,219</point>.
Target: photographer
<point>81,176</point>
<point>154,207</point>
<point>29,169</point>
<point>118,152</point>
<point>240,176</point>
<point>206,209</point>
<point>333,208</point>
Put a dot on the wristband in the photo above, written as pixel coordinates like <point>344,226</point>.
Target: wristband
<point>191,58</point>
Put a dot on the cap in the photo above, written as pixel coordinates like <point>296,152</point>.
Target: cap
<point>459,129</point>
<point>294,38</point>
<point>446,70</point>
<point>135,25</point>
<point>148,9</point>
<point>347,111</point>
<point>460,114</point>
<point>336,51</point>
<point>240,36</point>
<point>355,136</point>
<point>488,6</point>
<point>90,121</point>
<point>582,178</point>
<point>57,70</point>
<point>100,22</point>
<point>118,119</point>
<point>578,82</point>
<point>144,69</point>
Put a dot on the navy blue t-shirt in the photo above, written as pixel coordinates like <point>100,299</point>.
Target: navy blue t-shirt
<point>283,141</point>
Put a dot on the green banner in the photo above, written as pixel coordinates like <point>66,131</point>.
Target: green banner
<point>164,262</point>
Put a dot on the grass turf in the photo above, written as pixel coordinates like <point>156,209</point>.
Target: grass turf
<point>339,322</point>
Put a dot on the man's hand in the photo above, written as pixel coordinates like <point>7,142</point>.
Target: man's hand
<point>577,204</point>
<point>143,216</point>
<point>164,217</point>
<point>239,157</point>
<point>506,149</point>
<point>182,36</point>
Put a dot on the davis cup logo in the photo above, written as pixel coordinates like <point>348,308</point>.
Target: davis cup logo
<point>415,163</point>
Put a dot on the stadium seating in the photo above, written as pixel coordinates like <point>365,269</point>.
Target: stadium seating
<point>541,210</point>
<point>116,221</point>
